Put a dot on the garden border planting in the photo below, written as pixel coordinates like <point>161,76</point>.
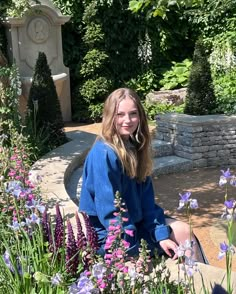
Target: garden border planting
<point>56,167</point>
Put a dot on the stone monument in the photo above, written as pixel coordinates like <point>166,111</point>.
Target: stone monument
<point>39,30</point>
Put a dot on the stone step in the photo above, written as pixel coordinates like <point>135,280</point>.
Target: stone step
<point>161,148</point>
<point>171,164</point>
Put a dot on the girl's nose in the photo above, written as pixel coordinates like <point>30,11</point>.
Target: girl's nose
<point>127,117</point>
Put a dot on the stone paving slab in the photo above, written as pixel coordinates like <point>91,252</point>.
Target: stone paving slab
<point>212,276</point>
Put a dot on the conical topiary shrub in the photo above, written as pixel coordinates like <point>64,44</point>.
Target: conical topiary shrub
<point>200,98</point>
<point>44,118</point>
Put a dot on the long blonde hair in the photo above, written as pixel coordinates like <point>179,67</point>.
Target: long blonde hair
<point>136,161</point>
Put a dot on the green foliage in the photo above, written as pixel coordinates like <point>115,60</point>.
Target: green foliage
<point>153,109</point>
<point>223,66</point>
<point>96,83</point>
<point>10,91</point>
<point>95,88</point>
<point>200,98</point>
<point>222,57</point>
<point>105,39</point>
<point>144,83</point>
<point>160,8</point>
<point>225,91</point>
<point>18,8</point>
<point>177,76</point>
<point>95,111</point>
<point>44,121</point>
<point>92,62</point>
<point>213,18</point>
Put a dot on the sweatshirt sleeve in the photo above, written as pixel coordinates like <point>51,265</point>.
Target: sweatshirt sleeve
<point>153,214</point>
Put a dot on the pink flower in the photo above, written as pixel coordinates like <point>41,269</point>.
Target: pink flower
<point>125,244</point>
<point>102,284</point>
<point>11,173</point>
<point>108,256</point>
<point>111,228</point>
<point>119,253</point>
<point>113,221</point>
<point>129,232</point>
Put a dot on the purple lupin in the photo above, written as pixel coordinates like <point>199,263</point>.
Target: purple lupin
<point>46,228</point>
<point>59,229</point>
<point>91,234</point>
<point>72,259</point>
<point>81,239</point>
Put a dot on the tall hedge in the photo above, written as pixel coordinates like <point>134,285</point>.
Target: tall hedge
<point>200,98</point>
<point>44,118</point>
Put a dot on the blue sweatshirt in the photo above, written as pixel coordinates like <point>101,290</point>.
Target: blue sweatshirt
<point>103,176</point>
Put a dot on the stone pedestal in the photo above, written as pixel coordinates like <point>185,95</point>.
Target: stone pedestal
<point>40,31</point>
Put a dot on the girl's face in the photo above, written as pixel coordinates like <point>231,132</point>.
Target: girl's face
<point>127,118</point>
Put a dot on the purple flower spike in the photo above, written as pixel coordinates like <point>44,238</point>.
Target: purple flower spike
<point>72,259</point>
<point>81,239</point>
<point>91,234</point>
<point>59,229</point>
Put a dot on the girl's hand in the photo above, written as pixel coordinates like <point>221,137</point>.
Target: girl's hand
<point>170,248</point>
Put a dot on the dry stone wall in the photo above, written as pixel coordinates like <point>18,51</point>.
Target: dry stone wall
<point>207,140</point>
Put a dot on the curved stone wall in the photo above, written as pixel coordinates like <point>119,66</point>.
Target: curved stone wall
<point>207,140</point>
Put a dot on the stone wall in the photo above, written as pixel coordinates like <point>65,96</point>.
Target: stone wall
<point>207,140</point>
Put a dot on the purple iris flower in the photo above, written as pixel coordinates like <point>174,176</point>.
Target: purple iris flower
<point>56,279</point>
<point>185,200</point>
<point>193,204</point>
<point>98,270</point>
<point>34,219</point>
<point>32,204</point>
<point>224,177</point>
<point>185,196</point>
<point>83,286</point>
<point>6,258</point>
<point>14,187</point>
<point>224,249</point>
<point>16,225</point>
<point>229,203</point>
<point>233,181</point>
<point>226,174</point>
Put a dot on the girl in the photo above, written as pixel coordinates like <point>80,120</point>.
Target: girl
<point>120,160</point>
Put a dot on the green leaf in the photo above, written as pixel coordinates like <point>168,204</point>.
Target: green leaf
<point>135,6</point>
<point>40,277</point>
